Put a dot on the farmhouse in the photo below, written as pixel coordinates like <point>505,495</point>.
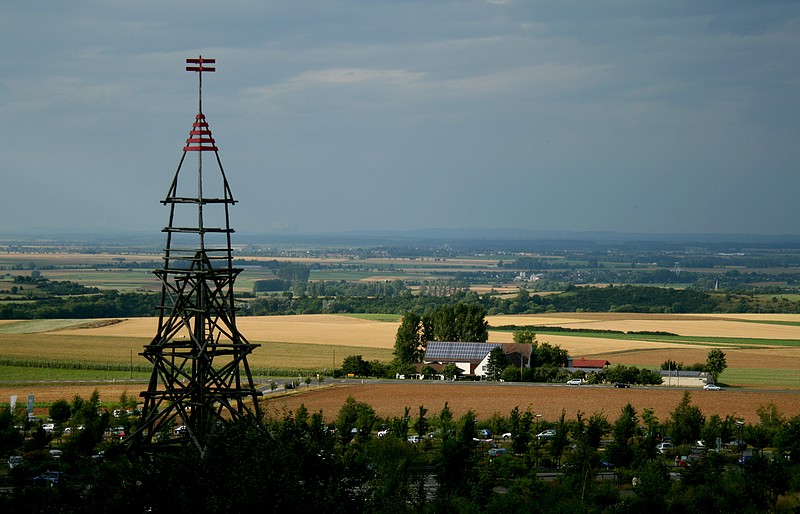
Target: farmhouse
<point>472,358</point>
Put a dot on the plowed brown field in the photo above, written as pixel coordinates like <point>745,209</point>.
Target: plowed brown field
<point>485,400</point>
<point>390,399</point>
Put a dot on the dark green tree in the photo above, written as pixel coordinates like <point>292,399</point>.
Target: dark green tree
<point>545,354</point>
<point>355,365</point>
<point>524,336</point>
<point>652,489</point>
<point>520,428</point>
<point>787,440</point>
<point>408,344</point>
<point>686,421</point>
<point>460,322</point>
<point>346,420</point>
<point>421,424</point>
<point>496,363</point>
<point>716,364</point>
<point>457,463</point>
<point>597,426</point>
<point>450,371</point>
<point>10,437</point>
<point>60,411</point>
<point>582,462</point>
<point>427,371</point>
<point>394,480</point>
<point>621,451</point>
<point>561,440</point>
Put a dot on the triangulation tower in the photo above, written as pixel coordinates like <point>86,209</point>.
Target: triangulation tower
<point>200,372</point>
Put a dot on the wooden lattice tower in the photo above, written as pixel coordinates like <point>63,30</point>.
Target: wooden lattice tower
<point>200,372</point>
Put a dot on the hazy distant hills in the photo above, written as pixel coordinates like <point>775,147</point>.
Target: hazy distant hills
<point>509,239</point>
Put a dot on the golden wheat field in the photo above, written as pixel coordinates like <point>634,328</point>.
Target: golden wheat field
<point>322,341</point>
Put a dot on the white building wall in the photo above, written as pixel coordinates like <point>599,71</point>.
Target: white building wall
<point>480,370</point>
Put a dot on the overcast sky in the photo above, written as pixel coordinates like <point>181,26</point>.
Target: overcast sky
<point>337,115</point>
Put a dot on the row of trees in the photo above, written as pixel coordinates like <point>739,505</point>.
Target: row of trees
<point>105,304</point>
<point>289,462</point>
<point>459,322</point>
<point>388,298</point>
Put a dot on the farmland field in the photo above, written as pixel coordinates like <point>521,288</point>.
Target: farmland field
<point>750,342</point>
<point>484,400</point>
<point>762,351</point>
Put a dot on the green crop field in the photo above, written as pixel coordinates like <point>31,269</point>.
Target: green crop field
<point>389,318</point>
<point>21,374</point>
<point>778,378</point>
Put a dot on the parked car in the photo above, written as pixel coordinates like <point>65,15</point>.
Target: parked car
<point>485,433</point>
<point>712,387</point>
<point>574,381</point>
<point>56,454</point>
<point>49,427</point>
<point>507,435</point>
<point>383,432</point>
<point>665,447</point>
<point>117,432</point>
<point>547,434</point>
<point>49,478</point>
<point>622,385</point>
<point>14,461</point>
<point>414,439</point>
<point>737,444</point>
<point>494,452</point>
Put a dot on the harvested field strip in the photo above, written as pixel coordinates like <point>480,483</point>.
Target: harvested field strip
<point>311,356</point>
<point>771,322</point>
<point>39,325</point>
<point>771,326</point>
<point>98,350</point>
<point>658,338</point>
<point>389,318</point>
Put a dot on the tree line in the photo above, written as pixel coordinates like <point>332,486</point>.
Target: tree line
<point>361,462</point>
<point>69,300</point>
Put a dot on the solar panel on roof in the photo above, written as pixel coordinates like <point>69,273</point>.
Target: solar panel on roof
<point>441,350</point>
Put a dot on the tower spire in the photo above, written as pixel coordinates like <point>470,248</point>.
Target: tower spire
<point>200,375</point>
<point>200,69</point>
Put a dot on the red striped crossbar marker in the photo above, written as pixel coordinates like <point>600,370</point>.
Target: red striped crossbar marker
<point>200,61</point>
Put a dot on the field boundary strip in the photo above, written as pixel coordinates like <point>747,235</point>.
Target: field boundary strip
<point>743,342</point>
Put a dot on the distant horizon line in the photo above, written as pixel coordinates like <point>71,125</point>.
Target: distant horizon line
<point>425,234</point>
